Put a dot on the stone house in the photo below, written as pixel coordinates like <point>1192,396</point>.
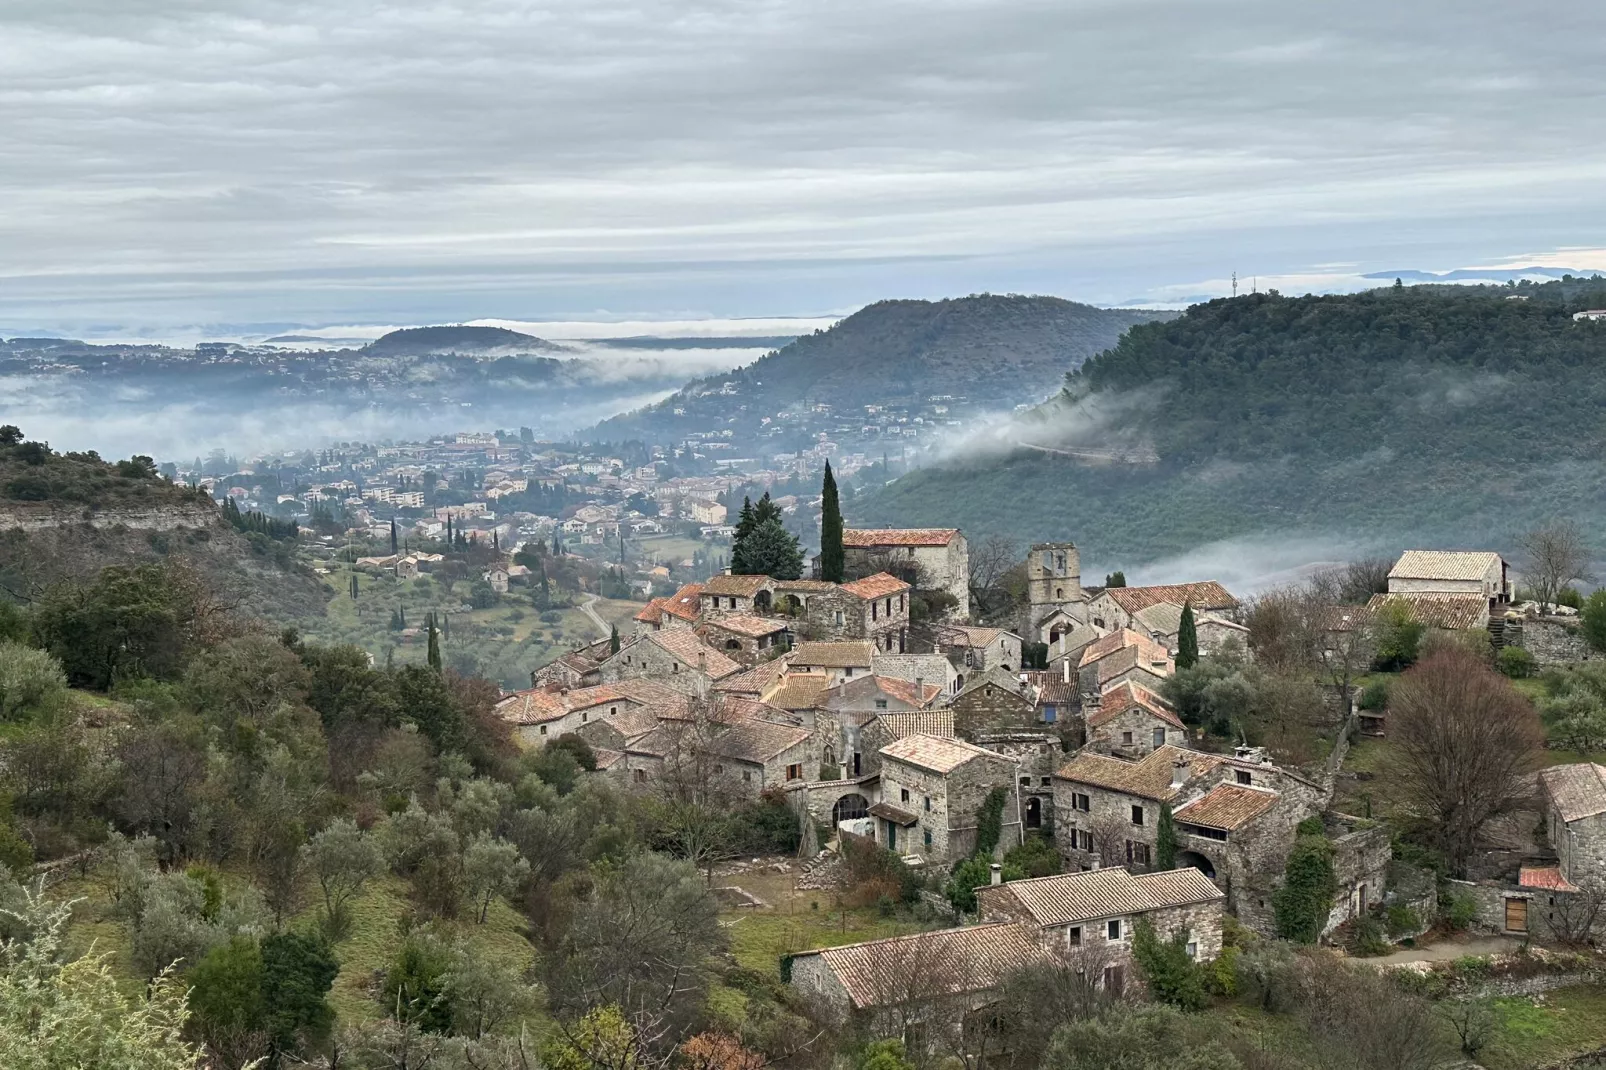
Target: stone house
<point>736,595</point>
<point>1435,609</point>
<point>1096,912</point>
<point>853,704</point>
<point>1129,721</point>
<point>1116,607</point>
<point>908,987</point>
<point>939,556</point>
<point>746,639</point>
<point>1123,657</point>
<point>497,576</point>
<point>879,613</point>
<point>758,755</point>
<point>1574,798</point>
<point>1162,622</point>
<point>974,650</point>
<point>577,668</point>
<point>1058,700</point>
<point>1475,572</point>
<point>931,668</point>
<point>674,657</point>
<point>995,700</point>
<point>679,610</point>
<point>836,661</point>
<point>1235,817</point>
<point>542,714</point>
<point>864,734</point>
<point>931,792</point>
<point>1067,639</point>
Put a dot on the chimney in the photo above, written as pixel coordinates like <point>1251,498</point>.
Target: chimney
<point>533,681</point>
<point>1094,864</point>
<point>1066,663</point>
<point>997,873</point>
<point>702,661</point>
<point>920,690</point>
<point>1179,772</point>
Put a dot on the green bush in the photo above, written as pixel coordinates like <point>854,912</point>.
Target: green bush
<point>1457,911</point>
<point>1367,937</point>
<point>1515,662</point>
<point>1037,857</point>
<point>1305,900</point>
<point>1221,976</point>
<point>1569,597</point>
<point>1375,695</point>
<point>1172,976</point>
<point>1401,919</point>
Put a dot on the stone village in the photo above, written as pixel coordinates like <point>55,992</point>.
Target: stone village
<point>882,728</point>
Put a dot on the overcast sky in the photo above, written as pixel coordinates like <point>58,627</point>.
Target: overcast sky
<point>245,162</point>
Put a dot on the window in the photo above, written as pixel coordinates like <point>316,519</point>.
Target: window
<point>928,838</point>
<point>1244,777</point>
<point>1112,929</point>
<point>1137,853</point>
<point>903,794</point>
<point>1159,737</point>
<point>1025,781</point>
<point>1114,979</point>
<point>747,776</point>
<point>1193,950</point>
<point>1081,802</point>
<point>880,703</point>
<point>543,730</point>
<point>733,602</point>
<point>1126,738</point>
<point>674,666</point>
<point>641,776</point>
<point>848,671</point>
<point>1059,594</point>
<point>1137,816</point>
<point>585,716</point>
<point>1087,839</point>
<point>1045,781</point>
<point>928,804</point>
<point>900,603</point>
<point>794,771</point>
<point>873,611</point>
<point>719,767</point>
<point>612,710</point>
<point>838,617</point>
<point>1073,936</point>
<point>1050,714</point>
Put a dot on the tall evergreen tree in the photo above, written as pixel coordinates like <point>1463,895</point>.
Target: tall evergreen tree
<point>393,536</point>
<point>771,550</point>
<point>832,555</point>
<point>1115,579</point>
<point>434,644</point>
<point>744,528</point>
<point>613,639</point>
<point>1187,639</point>
<point>1165,840</point>
<point>353,586</point>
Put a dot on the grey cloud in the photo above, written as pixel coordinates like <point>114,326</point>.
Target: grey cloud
<point>250,159</point>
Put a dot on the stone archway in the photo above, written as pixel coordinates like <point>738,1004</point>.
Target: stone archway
<point>1034,813</point>
<point>761,602</point>
<point>848,808</point>
<point>1195,860</point>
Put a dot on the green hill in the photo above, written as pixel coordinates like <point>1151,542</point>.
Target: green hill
<point>420,341</point>
<point>1435,414</point>
<point>998,350</point>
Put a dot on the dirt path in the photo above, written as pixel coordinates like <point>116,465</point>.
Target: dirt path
<point>602,625</point>
<point>1447,950</point>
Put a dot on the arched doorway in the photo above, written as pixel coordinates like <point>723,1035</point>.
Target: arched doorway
<point>848,808</point>
<point>1034,813</point>
<point>733,644</point>
<point>1195,860</point>
<point>761,602</point>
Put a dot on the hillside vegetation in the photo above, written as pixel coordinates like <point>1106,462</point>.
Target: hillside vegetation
<point>1394,414</point>
<point>420,341</point>
<point>998,349</point>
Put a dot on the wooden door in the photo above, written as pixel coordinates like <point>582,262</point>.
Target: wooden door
<point>1517,915</point>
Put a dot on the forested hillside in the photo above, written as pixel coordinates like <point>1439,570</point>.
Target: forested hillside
<point>994,349</point>
<point>1437,414</point>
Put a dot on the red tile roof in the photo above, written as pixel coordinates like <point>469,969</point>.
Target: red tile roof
<point>683,644</point>
<point>1207,594</point>
<point>878,586</point>
<point>684,603</point>
<point>1122,697</point>
<point>1547,877</point>
<point>740,586</point>
<point>904,691</point>
<point>1227,806</point>
<point>884,973</point>
<point>899,537</point>
<point>751,627</point>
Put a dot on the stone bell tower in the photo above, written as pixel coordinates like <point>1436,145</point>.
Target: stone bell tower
<point>1054,582</point>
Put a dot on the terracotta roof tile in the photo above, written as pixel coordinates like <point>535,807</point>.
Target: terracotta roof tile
<point>878,586</point>
<point>1149,778</point>
<point>652,612</point>
<point>758,679</point>
<point>1445,565</point>
<point>751,627</point>
<point>1577,791</point>
<point>1126,638</point>
<point>1068,898</point>
<point>904,691</point>
<point>757,741</point>
<point>800,691</point>
<point>1456,612</point>
<point>895,814</point>
<point>1547,877</point>
<point>839,655</point>
<point>685,603</point>
<point>944,962</point>
<point>937,754</point>
<point>1206,594</point>
<point>1227,806</point>
<point>739,586</point>
<point>918,723</point>
<point>865,538</point>
<point>685,645</point>
<point>1122,697</point>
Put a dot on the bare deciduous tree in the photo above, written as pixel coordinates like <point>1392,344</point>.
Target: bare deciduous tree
<point>1554,556</point>
<point>1573,916</point>
<point>991,560</point>
<point>1466,741</point>
<point>1109,840</point>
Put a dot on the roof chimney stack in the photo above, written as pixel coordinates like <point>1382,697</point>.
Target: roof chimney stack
<point>997,873</point>
<point>1179,772</point>
<point>1066,663</point>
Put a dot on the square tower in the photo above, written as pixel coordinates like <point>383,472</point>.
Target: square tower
<point>1054,581</point>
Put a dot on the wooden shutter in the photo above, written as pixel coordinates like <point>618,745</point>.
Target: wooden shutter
<point>1517,915</point>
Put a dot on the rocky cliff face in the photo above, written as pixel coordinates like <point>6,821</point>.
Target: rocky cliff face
<point>46,516</point>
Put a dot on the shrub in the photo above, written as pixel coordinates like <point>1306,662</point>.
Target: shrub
<point>1173,977</point>
<point>1037,857</point>
<point>1221,976</point>
<point>971,874</point>
<point>1401,919</point>
<point>1305,900</point>
<point>1457,911</point>
<point>1515,662</point>
<point>1367,938</point>
<point>1375,695</point>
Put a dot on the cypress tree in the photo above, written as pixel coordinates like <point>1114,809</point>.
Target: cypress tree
<point>831,551</point>
<point>401,615</point>
<point>613,639</point>
<point>434,645</point>
<point>353,586</point>
<point>1187,639</point>
<point>393,536</point>
<point>744,528</point>
<point>1165,840</point>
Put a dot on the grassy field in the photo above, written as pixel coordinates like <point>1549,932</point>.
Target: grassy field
<point>503,642</point>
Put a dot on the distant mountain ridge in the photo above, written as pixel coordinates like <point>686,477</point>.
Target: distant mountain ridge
<point>1441,414</point>
<point>999,350</point>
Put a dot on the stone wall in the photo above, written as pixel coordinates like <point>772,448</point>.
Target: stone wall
<point>1551,915</point>
<point>1554,642</point>
<point>1361,858</point>
<point>991,706</point>
<point>947,805</point>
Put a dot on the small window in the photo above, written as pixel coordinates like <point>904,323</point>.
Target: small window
<point>1126,738</point>
<point>641,776</point>
<point>1193,950</point>
<point>674,666</point>
<point>612,710</point>
<point>873,611</point>
<point>903,794</point>
<point>1045,781</point>
<point>928,804</point>
<point>1073,936</point>
<point>1081,802</point>
<point>747,776</point>
<point>1087,839</point>
<point>1112,928</point>
<point>1137,816</point>
<point>1159,737</point>
<point>1059,594</point>
<point>928,838</point>
<point>543,730</point>
<point>880,703</point>
<point>585,716</point>
<point>1244,777</point>
<point>794,772</point>
<point>1050,714</point>
<point>1025,781</point>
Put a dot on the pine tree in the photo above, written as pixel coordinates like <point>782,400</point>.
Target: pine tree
<point>613,639</point>
<point>393,537</point>
<point>1187,639</point>
<point>1165,840</point>
<point>744,528</point>
<point>1115,579</point>
<point>770,550</point>
<point>434,644</point>
<point>832,554</point>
